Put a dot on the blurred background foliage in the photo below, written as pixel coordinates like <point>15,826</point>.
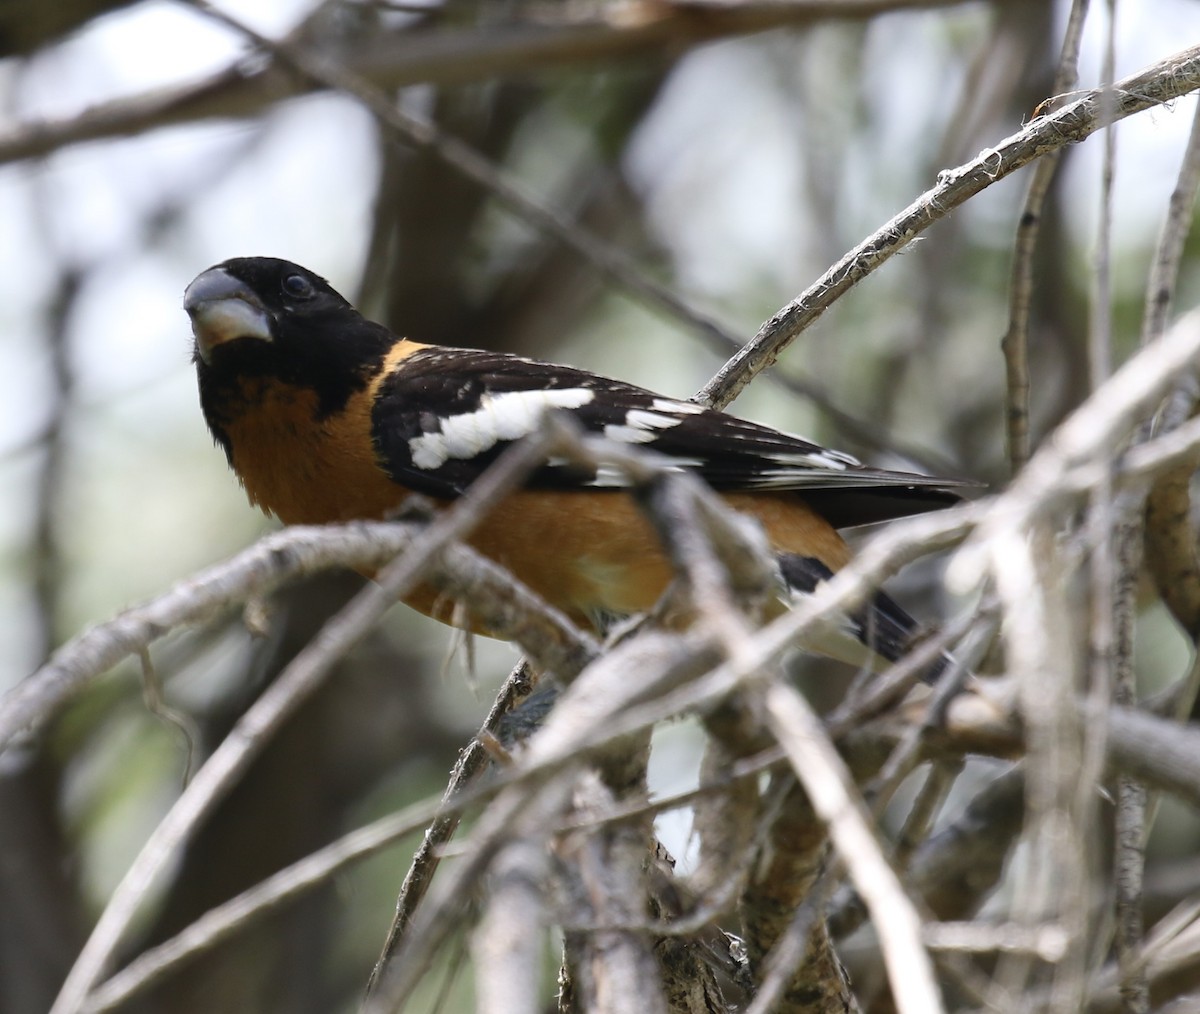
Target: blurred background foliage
<point>733,169</point>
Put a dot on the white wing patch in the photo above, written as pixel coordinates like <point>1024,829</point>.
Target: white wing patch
<point>676,407</point>
<point>628,434</point>
<point>507,416</point>
<point>611,477</point>
<point>817,458</point>
<point>608,477</point>
<point>641,426</point>
<point>644,420</point>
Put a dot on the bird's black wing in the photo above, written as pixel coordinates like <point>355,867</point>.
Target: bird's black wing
<point>443,415</point>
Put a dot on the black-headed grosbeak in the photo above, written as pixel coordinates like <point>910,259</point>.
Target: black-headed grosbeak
<point>326,416</point>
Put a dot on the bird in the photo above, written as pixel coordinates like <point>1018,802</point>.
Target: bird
<point>326,416</point>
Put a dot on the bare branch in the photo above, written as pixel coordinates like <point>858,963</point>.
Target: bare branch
<point>153,965</point>
<point>443,56</point>
<point>1015,343</point>
<point>508,944</point>
<point>254,572</point>
<point>830,788</point>
<point>1166,80</point>
<point>470,765</point>
<point>595,709</point>
<point>1170,542</point>
<point>491,593</point>
<point>617,969</point>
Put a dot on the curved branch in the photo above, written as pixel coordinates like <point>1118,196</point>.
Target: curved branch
<point>444,56</point>
<point>1166,80</point>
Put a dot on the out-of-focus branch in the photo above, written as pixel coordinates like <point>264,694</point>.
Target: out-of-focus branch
<point>1090,434</point>
<point>470,765</point>
<point>955,870</point>
<point>730,561</point>
<point>728,575</point>
<point>27,25</point>
<point>301,53</point>
<point>47,537</point>
<point>617,970</point>
<point>254,572</point>
<point>1131,537</point>
<point>493,597</point>
<point>595,709</point>
<point>607,258</point>
<point>829,787</point>
<point>1140,748</point>
<point>507,944</point>
<point>679,673</point>
<point>217,776</point>
<point>217,924</point>
<point>497,600</point>
<point>1015,343</point>
<point>1159,751</point>
<point>1170,545</point>
<point>447,56</point>
<point>952,872</point>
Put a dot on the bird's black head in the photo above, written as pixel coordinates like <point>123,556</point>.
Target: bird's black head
<point>261,317</point>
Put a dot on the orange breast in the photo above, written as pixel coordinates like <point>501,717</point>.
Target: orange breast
<point>302,470</point>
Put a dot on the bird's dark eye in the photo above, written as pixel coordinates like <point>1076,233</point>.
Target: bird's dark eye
<point>298,287</point>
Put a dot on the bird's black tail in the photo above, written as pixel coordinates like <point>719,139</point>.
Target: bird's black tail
<point>881,626</point>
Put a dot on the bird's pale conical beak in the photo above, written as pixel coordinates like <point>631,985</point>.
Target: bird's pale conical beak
<point>224,309</point>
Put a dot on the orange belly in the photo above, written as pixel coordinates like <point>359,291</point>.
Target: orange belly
<point>590,553</point>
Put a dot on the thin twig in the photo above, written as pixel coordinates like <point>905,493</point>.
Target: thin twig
<point>1015,343</point>
<point>297,681</point>
<point>1168,79</point>
<point>925,809</point>
<point>907,754</point>
<point>60,402</point>
<point>230,917</point>
<point>608,259</point>
<point>1114,536</point>
<point>257,571</point>
<point>1047,943</point>
<point>1170,544</point>
<point>219,923</point>
<point>1156,750</point>
<point>1135,809</point>
<point>828,785</point>
<point>1093,430</point>
<point>469,766</point>
<point>1168,252</point>
<point>583,716</point>
<point>156,704</point>
<point>956,869</point>
<point>441,56</point>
